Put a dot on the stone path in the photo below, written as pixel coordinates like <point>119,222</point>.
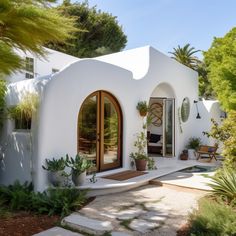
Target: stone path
<point>150,210</point>
<point>57,231</point>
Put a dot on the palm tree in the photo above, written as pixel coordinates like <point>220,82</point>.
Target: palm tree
<point>185,55</point>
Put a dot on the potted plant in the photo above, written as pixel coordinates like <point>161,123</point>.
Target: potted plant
<point>142,107</point>
<point>56,169</point>
<point>192,146</point>
<point>184,155</point>
<point>140,156</point>
<point>79,165</point>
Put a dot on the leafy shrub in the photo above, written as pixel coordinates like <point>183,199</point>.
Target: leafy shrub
<point>226,133</point>
<point>224,185</point>
<point>17,196</point>
<point>213,219</point>
<point>58,201</point>
<point>53,201</point>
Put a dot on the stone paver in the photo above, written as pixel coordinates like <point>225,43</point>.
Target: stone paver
<point>143,226</point>
<point>86,224</point>
<point>157,207</point>
<point>57,231</point>
<point>120,234</point>
<point>129,213</point>
<point>154,216</point>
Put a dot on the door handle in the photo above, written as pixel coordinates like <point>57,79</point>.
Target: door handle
<point>98,137</point>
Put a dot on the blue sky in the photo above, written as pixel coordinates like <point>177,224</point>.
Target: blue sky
<point>164,24</point>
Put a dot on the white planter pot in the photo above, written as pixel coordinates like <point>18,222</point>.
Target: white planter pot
<point>78,179</point>
<point>191,154</point>
<point>56,178</point>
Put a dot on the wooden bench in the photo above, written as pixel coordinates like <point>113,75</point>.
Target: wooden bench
<point>205,150</point>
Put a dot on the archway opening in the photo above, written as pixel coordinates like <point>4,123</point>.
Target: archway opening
<point>161,126</point>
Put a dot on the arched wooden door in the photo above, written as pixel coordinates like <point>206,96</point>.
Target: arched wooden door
<point>100,130</point>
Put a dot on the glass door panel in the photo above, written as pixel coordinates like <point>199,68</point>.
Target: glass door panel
<point>88,129</point>
<point>110,132</point>
<point>169,128</point>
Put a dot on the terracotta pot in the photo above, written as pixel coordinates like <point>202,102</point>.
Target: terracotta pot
<point>142,113</point>
<point>141,165</point>
<point>183,156</point>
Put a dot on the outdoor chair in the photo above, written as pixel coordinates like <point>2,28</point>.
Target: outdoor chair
<point>209,151</point>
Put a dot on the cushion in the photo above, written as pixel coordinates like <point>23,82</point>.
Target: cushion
<point>154,138</point>
<point>211,149</point>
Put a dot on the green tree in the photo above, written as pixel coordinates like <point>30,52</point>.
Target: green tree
<point>221,64</point>
<point>99,32</point>
<point>27,25</point>
<point>186,56</point>
<point>205,88</point>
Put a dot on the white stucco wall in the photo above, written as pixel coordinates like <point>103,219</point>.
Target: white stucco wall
<point>207,109</point>
<point>44,66</point>
<point>16,158</point>
<point>19,147</point>
<point>130,79</point>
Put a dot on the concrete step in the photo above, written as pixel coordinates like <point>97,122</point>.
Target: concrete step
<point>91,226</point>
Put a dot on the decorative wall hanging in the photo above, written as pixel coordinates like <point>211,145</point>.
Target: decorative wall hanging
<point>156,113</point>
<point>185,109</point>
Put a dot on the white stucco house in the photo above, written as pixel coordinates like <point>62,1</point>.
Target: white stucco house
<point>89,105</point>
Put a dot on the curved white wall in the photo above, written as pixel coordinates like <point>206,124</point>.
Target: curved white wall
<point>68,89</point>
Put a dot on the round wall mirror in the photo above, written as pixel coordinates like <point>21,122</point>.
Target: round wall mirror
<point>185,109</point>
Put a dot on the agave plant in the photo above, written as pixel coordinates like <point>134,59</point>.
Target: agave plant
<point>79,164</point>
<point>224,185</point>
<point>55,164</point>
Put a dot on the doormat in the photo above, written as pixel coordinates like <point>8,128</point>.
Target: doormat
<point>124,175</point>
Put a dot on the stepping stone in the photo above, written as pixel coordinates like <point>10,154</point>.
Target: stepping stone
<point>157,207</point>
<point>143,226</point>
<point>57,231</point>
<point>88,225</point>
<point>108,214</point>
<point>119,234</point>
<point>129,214</point>
<point>154,216</point>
